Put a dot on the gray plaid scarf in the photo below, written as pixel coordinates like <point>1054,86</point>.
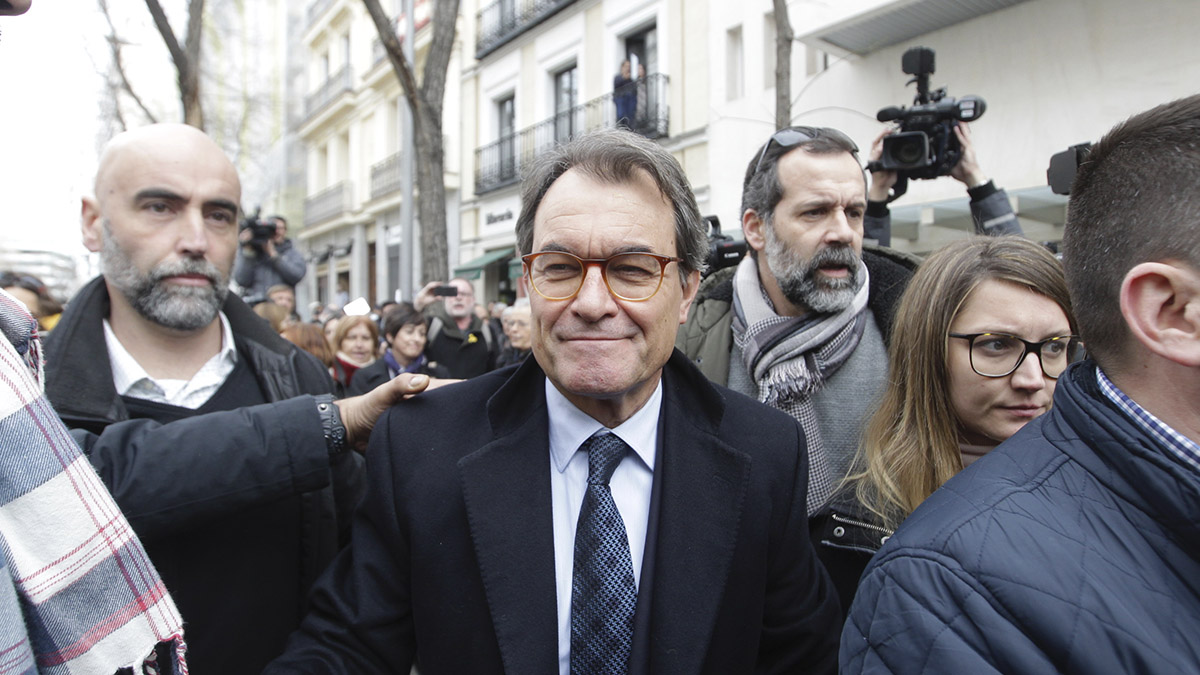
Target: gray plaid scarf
<point>790,357</point>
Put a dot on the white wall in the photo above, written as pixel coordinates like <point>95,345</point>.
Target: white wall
<point>1053,72</point>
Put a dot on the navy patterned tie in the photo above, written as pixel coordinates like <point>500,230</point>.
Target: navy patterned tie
<point>603,596</point>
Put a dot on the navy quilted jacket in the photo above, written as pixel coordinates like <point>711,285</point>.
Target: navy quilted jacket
<point>1073,547</point>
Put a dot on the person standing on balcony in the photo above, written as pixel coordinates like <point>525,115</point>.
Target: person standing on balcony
<point>624,95</point>
<point>639,117</point>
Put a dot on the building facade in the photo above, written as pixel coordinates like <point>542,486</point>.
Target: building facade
<point>351,127</point>
<point>532,73</point>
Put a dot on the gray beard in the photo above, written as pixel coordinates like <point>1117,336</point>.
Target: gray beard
<point>184,308</point>
<point>798,280</point>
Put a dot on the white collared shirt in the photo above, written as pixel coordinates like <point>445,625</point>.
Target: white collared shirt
<point>130,379</point>
<point>630,483</point>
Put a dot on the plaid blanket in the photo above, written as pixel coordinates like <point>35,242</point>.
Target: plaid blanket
<point>77,592</point>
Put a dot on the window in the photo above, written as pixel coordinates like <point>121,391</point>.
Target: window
<point>506,135</point>
<point>815,61</point>
<point>769,47</point>
<point>565,97</point>
<point>346,49</point>
<point>733,64</point>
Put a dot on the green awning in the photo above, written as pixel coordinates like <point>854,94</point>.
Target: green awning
<point>472,269</point>
<point>514,268</point>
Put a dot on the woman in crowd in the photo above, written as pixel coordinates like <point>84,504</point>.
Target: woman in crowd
<point>310,338</point>
<point>355,338</point>
<point>274,314</point>
<point>516,321</point>
<point>980,337</point>
<point>35,296</point>
<point>404,332</point>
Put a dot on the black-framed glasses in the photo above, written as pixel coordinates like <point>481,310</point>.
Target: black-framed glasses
<point>793,136</point>
<point>998,354</point>
<point>557,275</point>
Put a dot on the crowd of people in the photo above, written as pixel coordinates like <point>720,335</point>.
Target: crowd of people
<point>832,455</point>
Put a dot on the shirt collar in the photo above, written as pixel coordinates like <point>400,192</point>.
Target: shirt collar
<point>127,372</point>
<point>1181,446</point>
<point>570,427</point>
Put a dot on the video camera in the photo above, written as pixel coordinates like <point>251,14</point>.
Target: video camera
<point>925,146</point>
<point>1063,166</point>
<point>723,250</point>
<point>261,231</point>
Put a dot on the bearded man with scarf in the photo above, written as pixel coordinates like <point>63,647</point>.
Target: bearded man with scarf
<point>802,323</point>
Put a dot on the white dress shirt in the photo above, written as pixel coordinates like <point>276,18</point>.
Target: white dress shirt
<point>130,379</point>
<point>630,484</point>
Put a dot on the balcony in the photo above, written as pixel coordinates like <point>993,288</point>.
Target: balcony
<point>385,176</point>
<point>504,20</point>
<point>316,9</point>
<point>499,163</point>
<point>328,203</point>
<point>339,83</point>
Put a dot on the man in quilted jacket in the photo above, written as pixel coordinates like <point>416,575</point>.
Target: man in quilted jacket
<point>1075,546</point>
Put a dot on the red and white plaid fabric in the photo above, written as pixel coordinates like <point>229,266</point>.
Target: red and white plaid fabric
<point>80,595</point>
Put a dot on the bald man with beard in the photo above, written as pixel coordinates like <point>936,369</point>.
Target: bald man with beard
<point>239,515</point>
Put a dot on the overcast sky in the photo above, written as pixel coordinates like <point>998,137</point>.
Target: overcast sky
<point>48,90</point>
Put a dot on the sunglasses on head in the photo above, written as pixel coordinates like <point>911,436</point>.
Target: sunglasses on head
<point>793,136</point>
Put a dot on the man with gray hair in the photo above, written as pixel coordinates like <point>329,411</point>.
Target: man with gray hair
<point>604,511</point>
<point>802,323</point>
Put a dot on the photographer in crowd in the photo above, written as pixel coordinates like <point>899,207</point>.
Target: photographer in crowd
<point>990,208</point>
<point>267,257</point>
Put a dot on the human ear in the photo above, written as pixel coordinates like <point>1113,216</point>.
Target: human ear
<point>690,285</point>
<point>91,224</point>
<point>752,230</point>
<point>1161,305</point>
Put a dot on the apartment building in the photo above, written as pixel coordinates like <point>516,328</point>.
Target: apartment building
<point>543,72</point>
<point>533,73</point>
<point>351,128</point>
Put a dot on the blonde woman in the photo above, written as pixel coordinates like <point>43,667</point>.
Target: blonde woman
<point>980,337</point>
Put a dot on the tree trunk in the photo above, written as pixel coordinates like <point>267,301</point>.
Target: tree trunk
<point>426,105</point>
<point>783,66</point>
<point>186,57</point>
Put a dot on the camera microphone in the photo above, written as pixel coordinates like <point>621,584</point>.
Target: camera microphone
<point>889,114</point>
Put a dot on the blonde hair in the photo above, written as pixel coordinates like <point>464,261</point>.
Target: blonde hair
<point>273,313</point>
<point>347,323</point>
<point>911,444</point>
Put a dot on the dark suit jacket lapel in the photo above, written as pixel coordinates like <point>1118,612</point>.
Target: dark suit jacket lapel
<point>703,482</point>
<point>506,488</point>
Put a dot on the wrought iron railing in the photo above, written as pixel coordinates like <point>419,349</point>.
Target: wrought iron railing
<point>337,84</point>
<point>328,203</point>
<point>503,20</point>
<point>385,176</point>
<point>499,163</point>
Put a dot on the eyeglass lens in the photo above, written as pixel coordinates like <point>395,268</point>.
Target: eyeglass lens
<point>995,355</point>
<point>632,276</point>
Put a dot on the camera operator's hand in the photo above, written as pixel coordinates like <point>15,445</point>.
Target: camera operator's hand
<point>425,296</point>
<point>269,249</point>
<point>881,181</point>
<point>967,170</point>
<point>244,235</point>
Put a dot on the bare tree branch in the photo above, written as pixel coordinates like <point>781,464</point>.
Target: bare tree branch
<point>115,43</point>
<point>186,57</point>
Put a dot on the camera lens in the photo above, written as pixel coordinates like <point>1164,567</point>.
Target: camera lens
<point>907,150</point>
